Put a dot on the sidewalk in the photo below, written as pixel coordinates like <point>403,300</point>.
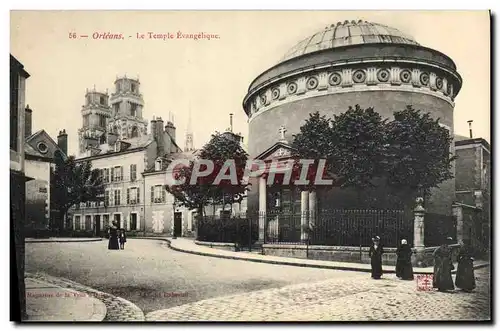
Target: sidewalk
<point>188,246</point>
<point>60,240</point>
<point>51,303</point>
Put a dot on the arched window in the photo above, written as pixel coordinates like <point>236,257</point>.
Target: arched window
<point>135,132</point>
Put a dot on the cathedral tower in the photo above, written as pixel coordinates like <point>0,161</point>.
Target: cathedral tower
<point>126,107</point>
<point>95,114</point>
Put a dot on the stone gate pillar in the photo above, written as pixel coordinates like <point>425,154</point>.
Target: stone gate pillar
<point>458,213</point>
<point>313,208</point>
<point>304,215</point>
<point>262,207</point>
<point>418,233</point>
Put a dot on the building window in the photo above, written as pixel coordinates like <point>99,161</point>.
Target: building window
<point>133,196</point>
<point>89,99</point>
<point>116,108</point>
<point>102,139</point>
<point>42,148</point>
<point>106,175</point>
<point>106,198</point>
<point>117,198</point>
<point>133,109</point>
<point>118,173</point>
<point>158,165</point>
<point>132,87</point>
<point>102,101</point>
<point>86,120</point>
<point>133,222</point>
<point>88,222</point>
<point>77,222</point>
<point>133,172</point>
<point>134,133</point>
<point>102,121</point>
<point>158,194</point>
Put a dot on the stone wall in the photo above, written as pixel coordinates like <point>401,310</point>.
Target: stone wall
<point>347,254</point>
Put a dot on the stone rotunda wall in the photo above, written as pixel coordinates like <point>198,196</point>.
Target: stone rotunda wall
<point>381,71</point>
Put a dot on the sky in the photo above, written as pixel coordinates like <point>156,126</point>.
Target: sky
<point>209,78</point>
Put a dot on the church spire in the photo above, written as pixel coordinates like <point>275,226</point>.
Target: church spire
<point>189,136</point>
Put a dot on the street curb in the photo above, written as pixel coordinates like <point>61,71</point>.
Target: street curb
<point>98,314</point>
<point>31,240</point>
<point>118,309</point>
<point>294,264</point>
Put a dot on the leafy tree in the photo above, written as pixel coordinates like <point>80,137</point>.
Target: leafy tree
<point>358,155</point>
<point>73,183</point>
<point>419,155</point>
<point>314,142</point>
<point>219,149</point>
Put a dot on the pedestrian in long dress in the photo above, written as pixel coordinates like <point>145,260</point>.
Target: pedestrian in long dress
<point>404,269</point>
<point>123,238</point>
<point>443,266</point>
<point>465,279</point>
<point>113,236</point>
<point>375,254</point>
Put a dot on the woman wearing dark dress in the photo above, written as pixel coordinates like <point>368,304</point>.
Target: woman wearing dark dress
<point>375,254</point>
<point>123,238</point>
<point>443,266</point>
<point>465,279</point>
<point>404,269</point>
<point>113,237</point>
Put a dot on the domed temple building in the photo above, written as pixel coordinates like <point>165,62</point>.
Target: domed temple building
<point>341,65</point>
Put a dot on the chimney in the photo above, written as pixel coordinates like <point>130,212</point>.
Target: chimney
<point>470,128</point>
<point>62,141</point>
<point>153,127</point>
<point>170,129</point>
<point>27,122</point>
<point>231,122</point>
<point>160,142</point>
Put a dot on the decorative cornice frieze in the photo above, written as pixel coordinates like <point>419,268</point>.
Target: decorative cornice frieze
<point>342,80</point>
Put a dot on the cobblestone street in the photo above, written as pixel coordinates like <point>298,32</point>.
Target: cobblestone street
<point>387,299</point>
<point>149,280</point>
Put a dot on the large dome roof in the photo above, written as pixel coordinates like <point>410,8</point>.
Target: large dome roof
<point>349,33</point>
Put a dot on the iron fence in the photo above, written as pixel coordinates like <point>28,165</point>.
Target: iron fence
<point>437,228</point>
<point>338,227</point>
<point>238,229</point>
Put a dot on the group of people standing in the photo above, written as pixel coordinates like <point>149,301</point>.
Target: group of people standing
<point>117,237</point>
<point>443,264</point>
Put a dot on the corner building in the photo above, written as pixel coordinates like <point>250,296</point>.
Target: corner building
<point>349,63</point>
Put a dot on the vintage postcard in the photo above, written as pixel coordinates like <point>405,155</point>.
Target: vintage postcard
<point>250,166</point>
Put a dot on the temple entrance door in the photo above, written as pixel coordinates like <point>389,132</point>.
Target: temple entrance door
<point>285,222</point>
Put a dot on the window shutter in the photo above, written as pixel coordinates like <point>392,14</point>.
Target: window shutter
<point>152,193</point>
<point>112,174</point>
<point>138,196</point>
<point>128,196</point>
<point>121,173</point>
<point>163,195</point>
<point>131,172</point>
